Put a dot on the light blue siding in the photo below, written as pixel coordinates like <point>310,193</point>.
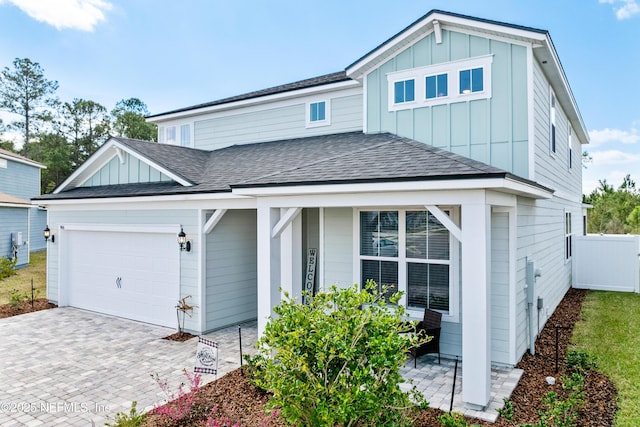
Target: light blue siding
<point>493,130</point>
<point>338,247</point>
<point>14,220</point>
<point>188,218</point>
<point>500,343</point>
<point>20,180</point>
<point>131,171</point>
<point>38,224</point>
<point>275,123</point>
<point>231,270</point>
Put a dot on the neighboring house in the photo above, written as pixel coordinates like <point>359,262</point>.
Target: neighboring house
<point>21,223</point>
<point>439,163</point>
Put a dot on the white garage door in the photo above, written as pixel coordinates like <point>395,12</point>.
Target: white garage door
<point>131,275</point>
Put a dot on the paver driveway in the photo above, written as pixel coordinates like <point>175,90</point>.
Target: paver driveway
<point>70,367</point>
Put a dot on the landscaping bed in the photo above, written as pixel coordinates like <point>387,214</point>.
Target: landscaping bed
<point>8,310</point>
<point>238,401</point>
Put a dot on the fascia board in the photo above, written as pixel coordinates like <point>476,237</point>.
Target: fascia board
<point>505,184</point>
<point>295,93</point>
<point>15,205</point>
<point>102,201</point>
<point>23,161</point>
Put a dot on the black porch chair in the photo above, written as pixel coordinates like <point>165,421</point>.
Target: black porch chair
<point>431,325</point>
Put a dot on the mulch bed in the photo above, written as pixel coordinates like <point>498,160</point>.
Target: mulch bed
<point>179,336</point>
<point>6,310</point>
<point>238,400</point>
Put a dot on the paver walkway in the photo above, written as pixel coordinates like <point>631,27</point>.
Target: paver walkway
<point>70,367</point>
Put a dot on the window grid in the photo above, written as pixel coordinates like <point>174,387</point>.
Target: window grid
<point>567,236</point>
<point>552,120</point>
<point>437,86</point>
<point>404,91</point>
<point>317,111</point>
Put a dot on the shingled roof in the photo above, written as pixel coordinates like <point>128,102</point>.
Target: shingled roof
<point>352,157</point>
<point>337,77</point>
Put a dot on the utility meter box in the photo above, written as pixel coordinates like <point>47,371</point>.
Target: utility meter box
<point>16,238</point>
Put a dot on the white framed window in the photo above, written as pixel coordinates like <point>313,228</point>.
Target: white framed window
<point>570,151</point>
<point>437,86</point>
<point>185,135</point>
<point>318,113</point>
<point>552,122</point>
<point>567,236</point>
<point>455,81</point>
<point>161,134</point>
<point>3,163</point>
<point>171,135</point>
<point>409,250</point>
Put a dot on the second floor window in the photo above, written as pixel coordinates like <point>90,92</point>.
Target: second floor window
<point>317,111</point>
<point>404,91</point>
<point>471,81</point>
<point>437,86</point>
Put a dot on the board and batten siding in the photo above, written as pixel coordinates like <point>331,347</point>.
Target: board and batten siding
<point>131,171</point>
<point>188,260</point>
<point>275,123</point>
<point>338,247</point>
<point>493,131</point>
<point>552,169</point>
<point>14,220</point>
<point>231,270</point>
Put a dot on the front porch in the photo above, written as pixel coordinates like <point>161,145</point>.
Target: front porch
<point>433,380</point>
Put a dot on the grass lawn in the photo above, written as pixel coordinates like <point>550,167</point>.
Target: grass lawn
<point>611,332</point>
<point>36,270</point>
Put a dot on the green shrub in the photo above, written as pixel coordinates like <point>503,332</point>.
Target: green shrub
<point>16,298</point>
<point>132,419</point>
<point>452,419</point>
<point>7,267</point>
<point>337,360</point>
<point>563,412</point>
<point>507,411</point>
<point>580,361</point>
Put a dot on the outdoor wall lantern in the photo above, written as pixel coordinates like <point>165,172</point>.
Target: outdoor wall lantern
<point>185,245</point>
<point>47,235</point>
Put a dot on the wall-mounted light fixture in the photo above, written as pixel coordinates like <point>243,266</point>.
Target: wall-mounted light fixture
<point>47,235</point>
<point>185,245</point>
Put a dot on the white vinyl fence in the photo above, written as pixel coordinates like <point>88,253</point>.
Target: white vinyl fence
<point>607,262</point>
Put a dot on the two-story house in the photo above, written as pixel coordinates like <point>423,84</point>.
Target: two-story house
<point>444,163</point>
<point>21,223</point>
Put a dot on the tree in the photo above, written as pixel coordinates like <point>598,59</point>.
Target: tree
<point>26,92</point>
<point>634,219</point>
<point>53,150</point>
<point>129,120</point>
<point>85,124</point>
<point>611,213</point>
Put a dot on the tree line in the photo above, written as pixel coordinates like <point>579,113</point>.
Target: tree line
<point>61,134</point>
<point>615,211</point>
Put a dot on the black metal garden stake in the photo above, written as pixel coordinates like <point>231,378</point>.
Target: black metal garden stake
<point>32,290</point>
<point>453,391</point>
<point>240,339</point>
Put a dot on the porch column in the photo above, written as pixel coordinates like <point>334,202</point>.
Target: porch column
<point>291,256</point>
<point>476,316</point>
<point>268,264</point>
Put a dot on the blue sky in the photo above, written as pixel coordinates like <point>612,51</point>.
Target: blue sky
<point>173,53</point>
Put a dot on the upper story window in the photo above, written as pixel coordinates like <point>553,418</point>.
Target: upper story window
<point>437,86</point>
<point>3,163</point>
<point>175,135</point>
<point>552,123</point>
<point>471,81</point>
<point>570,141</point>
<point>318,113</point>
<point>404,91</point>
<point>455,81</point>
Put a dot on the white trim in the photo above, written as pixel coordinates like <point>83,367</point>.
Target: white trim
<point>256,101</point>
<point>202,273</point>
<point>506,184</point>
<point>321,258</point>
<point>16,205</point>
<point>3,163</point>
<point>452,70</point>
<point>120,155</point>
<point>124,228</point>
<point>446,221</point>
<point>211,200</point>
<point>531,106</point>
<point>285,220</point>
<point>437,31</point>
<point>23,161</point>
<point>365,98</point>
<point>553,113</point>
<point>214,220</point>
<point>327,113</point>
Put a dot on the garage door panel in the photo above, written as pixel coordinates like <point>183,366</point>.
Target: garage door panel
<point>146,263</point>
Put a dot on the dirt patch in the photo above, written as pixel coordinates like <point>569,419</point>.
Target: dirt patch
<point>236,399</point>
<point>7,310</point>
<point>179,336</point>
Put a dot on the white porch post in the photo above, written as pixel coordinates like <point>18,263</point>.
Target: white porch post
<point>268,264</point>
<point>291,256</point>
<point>476,316</point>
